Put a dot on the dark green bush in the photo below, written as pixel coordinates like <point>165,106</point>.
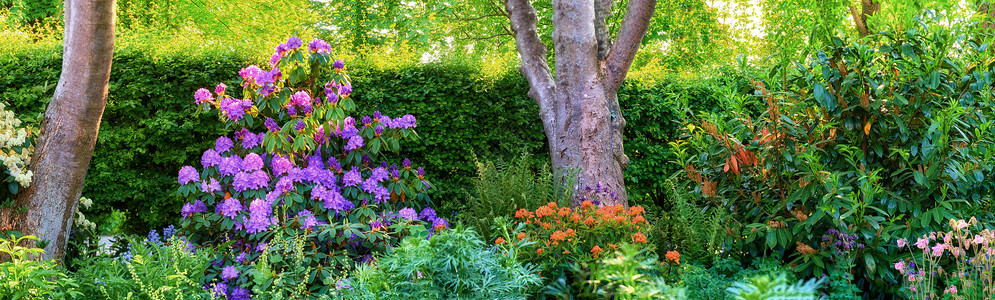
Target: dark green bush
<point>880,139</point>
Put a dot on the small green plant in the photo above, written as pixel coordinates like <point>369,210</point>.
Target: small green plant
<point>26,276</point>
<point>452,264</point>
<point>775,287</point>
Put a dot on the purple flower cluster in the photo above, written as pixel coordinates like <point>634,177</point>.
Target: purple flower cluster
<point>300,101</point>
<point>203,96</point>
<point>188,174</point>
<point>260,216</point>
<point>841,242</point>
<point>332,198</point>
<point>210,186</point>
<point>307,220</point>
<point>407,213</point>
<point>211,158</point>
<point>229,273</point>
<point>249,139</point>
<point>223,144</point>
<point>192,208</point>
<point>229,208</point>
<point>319,46</point>
<point>281,165</point>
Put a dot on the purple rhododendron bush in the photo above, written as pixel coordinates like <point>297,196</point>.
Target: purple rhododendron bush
<point>312,177</point>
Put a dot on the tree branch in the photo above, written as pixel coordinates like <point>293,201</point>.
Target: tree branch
<point>630,36</point>
<point>533,52</point>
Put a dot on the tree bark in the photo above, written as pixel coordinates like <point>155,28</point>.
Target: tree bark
<point>984,7</point>
<point>69,129</point>
<point>867,8</point>
<point>579,107</point>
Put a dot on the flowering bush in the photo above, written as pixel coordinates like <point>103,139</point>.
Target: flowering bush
<point>956,263</point>
<point>554,235</point>
<point>16,147</point>
<point>313,172</point>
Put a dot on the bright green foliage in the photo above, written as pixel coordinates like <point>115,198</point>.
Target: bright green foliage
<point>452,264</point>
<point>153,270</point>
<point>156,271</point>
<point>775,287</point>
<point>501,188</point>
<point>884,141</point>
<point>27,277</point>
<point>629,275</point>
<point>32,12</point>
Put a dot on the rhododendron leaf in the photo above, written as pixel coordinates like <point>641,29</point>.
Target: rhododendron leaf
<point>375,147</point>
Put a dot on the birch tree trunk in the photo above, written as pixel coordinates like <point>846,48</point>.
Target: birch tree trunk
<point>69,130</point>
<point>579,107</point>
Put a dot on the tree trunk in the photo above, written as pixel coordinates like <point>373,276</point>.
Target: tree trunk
<point>579,107</point>
<point>867,8</point>
<point>69,130</point>
<point>984,7</point>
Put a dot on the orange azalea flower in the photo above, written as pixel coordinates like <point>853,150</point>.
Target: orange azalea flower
<point>619,219</point>
<point>540,251</point>
<point>521,235</point>
<point>551,205</point>
<point>547,225</point>
<point>586,204</point>
<point>564,211</point>
<point>638,219</point>
<point>523,213</point>
<point>566,251</point>
<point>596,250</point>
<point>612,245</point>
<point>636,210</point>
<point>575,218</point>
<point>589,221</point>
<point>570,232</point>
<point>558,236</point>
<point>674,256</point>
<point>543,211</point>
<point>639,237</point>
<point>440,227</point>
<point>499,241</point>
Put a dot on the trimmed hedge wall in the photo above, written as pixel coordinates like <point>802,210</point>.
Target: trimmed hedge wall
<point>150,130</point>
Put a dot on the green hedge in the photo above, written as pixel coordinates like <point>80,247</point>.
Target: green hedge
<point>149,129</point>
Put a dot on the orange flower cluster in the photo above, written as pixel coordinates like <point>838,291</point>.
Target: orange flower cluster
<point>580,230</point>
<point>499,241</point>
<point>596,250</point>
<point>674,256</point>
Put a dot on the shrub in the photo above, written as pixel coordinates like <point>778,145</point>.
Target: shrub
<point>313,172</point>
<point>453,264</point>
<point>630,275</point>
<point>556,237</point>
<point>878,142</point>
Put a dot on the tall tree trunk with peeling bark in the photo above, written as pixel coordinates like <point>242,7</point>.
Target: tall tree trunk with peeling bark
<point>69,130</point>
<point>579,106</point>
<point>985,9</point>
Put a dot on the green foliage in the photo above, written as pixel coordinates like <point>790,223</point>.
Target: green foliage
<point>629,275</point>
<point>32,12</point>
<point>26,276</point>
<point>451,264</point>
<point>689,228</point>
<point>501,188</point>
<point>775,287</point>
<point>882,140</point>
<point>150,270</point>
